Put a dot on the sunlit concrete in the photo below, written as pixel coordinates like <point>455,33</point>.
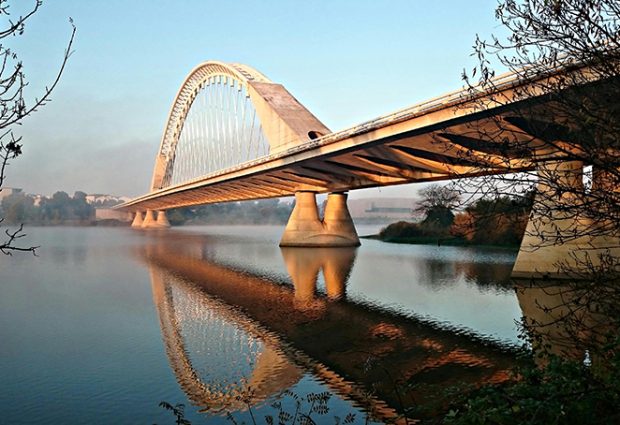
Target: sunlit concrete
<point>149,220</point>
<point>162,219</point>
<point>155,220</point>
<point>559,240</point>
<point>411,145</point>
<point>138,219</point>
<point>285,121</point>
<point>306,229</point>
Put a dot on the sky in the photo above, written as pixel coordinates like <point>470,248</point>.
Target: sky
<point>347,61</point>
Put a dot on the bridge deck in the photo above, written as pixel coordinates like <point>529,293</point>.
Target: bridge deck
<point>453,136</point>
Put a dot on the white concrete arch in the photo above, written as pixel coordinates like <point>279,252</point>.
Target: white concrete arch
<point>283,120</point>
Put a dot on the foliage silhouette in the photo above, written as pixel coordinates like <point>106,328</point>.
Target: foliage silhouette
<point>309,410</point>
<point>566,54</point>
<point>14,107</point>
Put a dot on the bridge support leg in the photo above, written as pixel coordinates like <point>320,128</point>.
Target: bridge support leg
<point>548,240</point>
<point>137,220</point>
<point>558,241</point>
<point>150,222</point>
<point>149,219</point>
<point>162,219</point>
<point>306,229</point>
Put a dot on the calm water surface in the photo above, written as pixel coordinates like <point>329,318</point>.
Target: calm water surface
<point>107,322</point>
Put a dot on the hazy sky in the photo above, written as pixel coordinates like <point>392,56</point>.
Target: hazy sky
<point>347,61</point>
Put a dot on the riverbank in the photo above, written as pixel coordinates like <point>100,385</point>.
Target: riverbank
<point>431,232</point>
<point>74,223</point>
<point>437,241</point>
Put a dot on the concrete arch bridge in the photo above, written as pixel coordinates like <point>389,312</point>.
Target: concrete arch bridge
<point>232,135</point>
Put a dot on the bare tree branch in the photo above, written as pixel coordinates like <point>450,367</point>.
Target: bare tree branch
<point>14,107</point>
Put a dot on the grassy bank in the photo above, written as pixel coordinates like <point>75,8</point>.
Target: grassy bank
<point>423,234</point>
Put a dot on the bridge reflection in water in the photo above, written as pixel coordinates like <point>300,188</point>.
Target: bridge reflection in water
<point>231,335</point>
<point>567,319</point>
<point>202,335</point>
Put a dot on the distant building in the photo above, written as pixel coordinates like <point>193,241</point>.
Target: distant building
<point>111,214</point>
<point>106,200</point>
<point>387,209</point>
<point>36,198</point>
<point>8,191</point>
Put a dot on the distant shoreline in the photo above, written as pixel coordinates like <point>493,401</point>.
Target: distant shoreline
<point>430,240</point>
<point>69,223</point>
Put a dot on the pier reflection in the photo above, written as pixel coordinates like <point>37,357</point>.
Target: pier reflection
<point>566,319</point>
<point>303,266</point>
<point>275,332</point>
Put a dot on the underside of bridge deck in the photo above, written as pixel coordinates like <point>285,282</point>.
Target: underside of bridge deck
<point>233,135</point>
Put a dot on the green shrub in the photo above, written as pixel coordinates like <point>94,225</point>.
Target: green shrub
<point>563,392</point>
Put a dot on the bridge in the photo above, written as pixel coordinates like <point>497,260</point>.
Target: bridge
<point>232,135</point>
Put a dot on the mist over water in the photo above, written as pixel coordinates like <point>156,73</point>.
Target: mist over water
<point>107,322</point>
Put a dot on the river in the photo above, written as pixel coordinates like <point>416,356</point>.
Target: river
<point>105,323</point>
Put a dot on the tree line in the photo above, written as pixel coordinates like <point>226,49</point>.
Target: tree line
<point>264,211</point>
<point>499,220</point>
<point>60,208</point>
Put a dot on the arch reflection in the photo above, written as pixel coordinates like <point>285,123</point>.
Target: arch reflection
<point>226,389</point>
<point>353,348</point>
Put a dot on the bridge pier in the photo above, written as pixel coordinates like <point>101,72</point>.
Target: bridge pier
<point>150,222</point>
<point>137,220</point>
<point>149,219</point>
<point>560,239</point>
<point>162,219</point>
<point>306,229</point>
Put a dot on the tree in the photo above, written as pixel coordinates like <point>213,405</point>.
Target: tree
<point>19,208</point>
<point>497,221</point>
<point>82,210</point>
<point>14,106</point>
<point>560,125</point>
<point>437,203</point>
<point>562,115</point>
<point>565,56</point>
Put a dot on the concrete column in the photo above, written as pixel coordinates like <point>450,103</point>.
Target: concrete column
<point>150,222</point>
<point>304,224</point>
<point>162,219</point>
<point>337,220</point>
<point>604,180</point>
<point>305,229</point>
<point>137,220</point>
<point>149,219</point>
<point>567,175</point>
<point>553,240</point>
<point>602,209</point>
<point>605,196</point>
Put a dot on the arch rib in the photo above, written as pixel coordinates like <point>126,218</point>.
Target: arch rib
<point>284,121</point>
